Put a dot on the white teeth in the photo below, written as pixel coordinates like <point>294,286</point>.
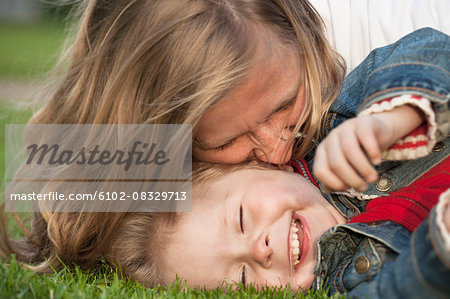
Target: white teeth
<point>294,243</point>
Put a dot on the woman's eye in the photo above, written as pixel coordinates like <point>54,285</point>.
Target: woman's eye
<point>287,105</point>
<point>241,216</point>
<point>243,278</point>
<point>226,145</point>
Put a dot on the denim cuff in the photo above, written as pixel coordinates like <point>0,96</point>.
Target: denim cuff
<point>399,79</point>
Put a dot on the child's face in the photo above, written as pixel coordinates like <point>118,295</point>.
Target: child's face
<point>246,226</point>
<point>249,122</point>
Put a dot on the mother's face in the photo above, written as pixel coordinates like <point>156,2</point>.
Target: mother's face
<point>255,119</point>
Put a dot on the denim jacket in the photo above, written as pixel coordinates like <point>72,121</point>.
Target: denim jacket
<point>417,64</point>
<point>385,260</point>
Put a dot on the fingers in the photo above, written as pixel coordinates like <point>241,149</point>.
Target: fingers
<point>321,168</point>
<point>357,157</point>
<point>344,158</point>
<point>370,145</point>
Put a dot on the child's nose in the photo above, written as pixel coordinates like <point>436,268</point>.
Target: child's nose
<point>261,251</point>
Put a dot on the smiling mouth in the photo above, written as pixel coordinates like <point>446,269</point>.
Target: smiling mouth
<point>296,240</point>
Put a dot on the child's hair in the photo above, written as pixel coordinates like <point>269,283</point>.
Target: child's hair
<point>139,61</point>
<point>135,242</point>
<point>131,241</point>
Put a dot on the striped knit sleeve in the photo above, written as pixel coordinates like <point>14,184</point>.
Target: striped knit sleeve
<point>419,142</point>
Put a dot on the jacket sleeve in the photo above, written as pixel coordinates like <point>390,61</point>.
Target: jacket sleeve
<point>422,271</point>
<point>415,70</point>
<point>418,64</point>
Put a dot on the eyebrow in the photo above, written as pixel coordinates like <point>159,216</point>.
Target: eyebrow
<point>228,267</point>
<point>292,95</point>
<point>226,223</point>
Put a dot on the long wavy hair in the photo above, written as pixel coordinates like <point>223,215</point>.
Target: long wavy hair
<point>162,62</point>
<point>136,61</point>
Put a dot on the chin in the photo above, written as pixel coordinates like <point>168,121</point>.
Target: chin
<point>304,283</point>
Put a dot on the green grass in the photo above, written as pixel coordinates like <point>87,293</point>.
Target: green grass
<point>107,283</point>
<point>29,50</point>
<point>11,114</point>
<point>104,282</point>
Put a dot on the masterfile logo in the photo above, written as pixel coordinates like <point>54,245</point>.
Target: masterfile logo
<point>98,167</point>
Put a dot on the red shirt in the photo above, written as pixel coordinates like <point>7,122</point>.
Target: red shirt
<point>408,206</point>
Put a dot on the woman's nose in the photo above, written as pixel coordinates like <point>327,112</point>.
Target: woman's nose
<point>272,145</point>
<point>261,251</point>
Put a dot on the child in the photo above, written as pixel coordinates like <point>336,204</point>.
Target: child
<point>270,227</point>
<point>265,227</point>
<point>247,75</point>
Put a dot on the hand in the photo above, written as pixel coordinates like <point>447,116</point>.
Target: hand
<point>346,156</point>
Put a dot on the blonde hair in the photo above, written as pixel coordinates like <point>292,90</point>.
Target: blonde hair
<point>131,241</point>
<point>170,61</point>
<point>161,62</point>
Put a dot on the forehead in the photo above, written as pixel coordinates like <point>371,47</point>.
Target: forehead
<point>196,251</point>
<point>273,78</point>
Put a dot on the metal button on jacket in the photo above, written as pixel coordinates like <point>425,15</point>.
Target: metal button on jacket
<point>438,146</point>
<point>383,183</point>
<point>362,265</point>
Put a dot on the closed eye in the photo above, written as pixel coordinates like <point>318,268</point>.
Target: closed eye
<point>226,145</point>
<point>243,277</point>
<point>241,216</point>
<point>285,106</point>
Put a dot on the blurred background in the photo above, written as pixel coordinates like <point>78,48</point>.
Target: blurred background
<point>32,33</point>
